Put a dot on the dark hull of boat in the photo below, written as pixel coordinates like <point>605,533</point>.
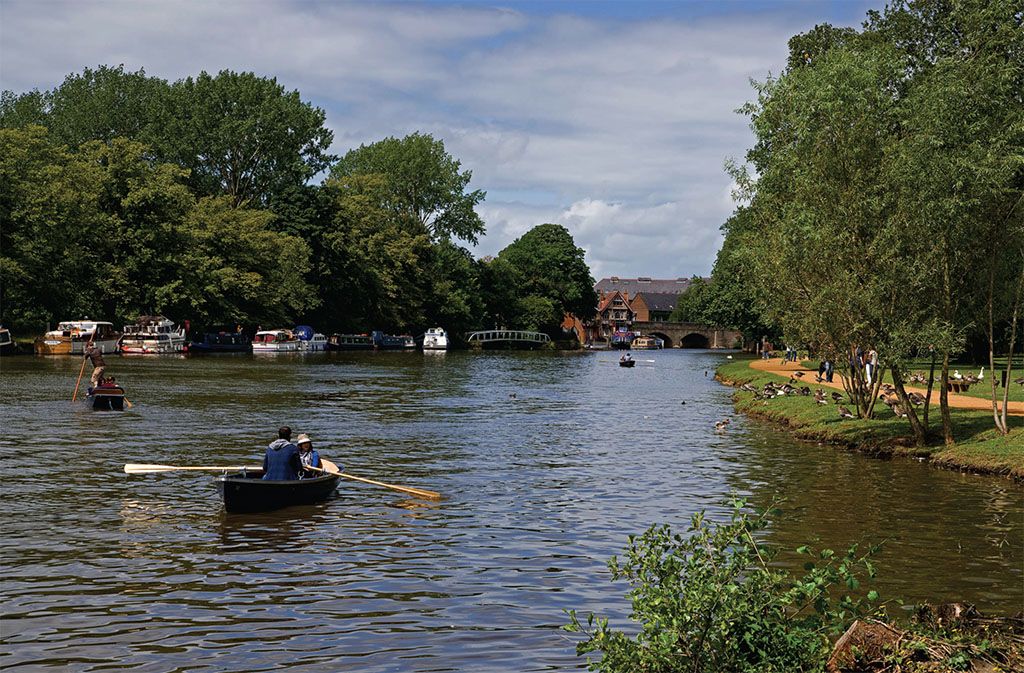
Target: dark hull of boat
<point>106,400</point>
<point>201,347</point>
<point>627,363</point>
<point>248,492</point>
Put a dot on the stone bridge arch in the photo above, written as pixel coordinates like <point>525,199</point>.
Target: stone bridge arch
<point>689,335</point>
<point>695,340</point>
<point>669,341</point>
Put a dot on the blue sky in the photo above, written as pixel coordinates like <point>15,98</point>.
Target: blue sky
<point>610,118</point>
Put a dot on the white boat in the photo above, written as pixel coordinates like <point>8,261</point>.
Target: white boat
<point>153,335</point>
<point>275,341</point>
<point>435,339</point>
<point>317,342</point>
<point>71,336</point>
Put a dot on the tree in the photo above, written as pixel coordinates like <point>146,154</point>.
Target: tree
<point>425,188</point>
<point>550,276</point>
<point>244,136</point>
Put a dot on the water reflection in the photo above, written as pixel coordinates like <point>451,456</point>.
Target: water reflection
<point>546,461</point>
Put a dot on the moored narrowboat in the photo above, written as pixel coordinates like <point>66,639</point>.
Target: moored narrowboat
<point>221,342</point>
<point>247,491</point>
<point>7,344</point>
<point>383,341</point>
<point>349,342</point>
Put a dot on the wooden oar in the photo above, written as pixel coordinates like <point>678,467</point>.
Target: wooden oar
<point>142,468</point>
<point>331,468</point>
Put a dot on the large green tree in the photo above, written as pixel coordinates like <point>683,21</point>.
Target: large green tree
<point>425,187</point>
<point>550,278</point>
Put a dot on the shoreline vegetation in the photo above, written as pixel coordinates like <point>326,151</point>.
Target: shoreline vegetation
<point>979,447</point>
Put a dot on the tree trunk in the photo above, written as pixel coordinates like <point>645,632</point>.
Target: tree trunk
<point>920,436</point>
<point>999,420</point>
<point>947,422</point>
<point>1009,355</point>
<point>931,382</point>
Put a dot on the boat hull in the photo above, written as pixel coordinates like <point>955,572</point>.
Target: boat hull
<point>106,399</point>
<point>67,346</point>
<point>248,492</point>
<point>279,347</point>
<point>627,363</point>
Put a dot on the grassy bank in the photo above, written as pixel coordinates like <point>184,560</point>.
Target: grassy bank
<point>978,448</point>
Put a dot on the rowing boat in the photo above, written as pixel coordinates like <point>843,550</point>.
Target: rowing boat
<point>247,491</point>
<point>627,363</point>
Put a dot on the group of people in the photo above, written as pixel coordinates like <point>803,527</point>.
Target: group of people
<point>867,361</point>
<point>287,461</point>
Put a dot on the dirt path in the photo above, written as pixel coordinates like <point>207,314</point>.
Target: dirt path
<point>780,368</point>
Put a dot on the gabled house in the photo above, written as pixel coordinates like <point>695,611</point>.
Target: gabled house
<point>654,306</point>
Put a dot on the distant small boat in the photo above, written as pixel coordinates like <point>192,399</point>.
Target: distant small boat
<point>627,363</point>
<point>106,398</point>
<point>221,342</point>
<point>621,339</point>
<point>435,339</point>
<point>153,335</point>
<point>383,341</point>
<point>275,341</point>
<point>71,336</point>
<point>247,491</point>
<point>309,339</point>
<point>349,342</point>
<point>647,343</point>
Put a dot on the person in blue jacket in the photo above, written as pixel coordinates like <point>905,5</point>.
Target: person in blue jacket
<point>282,458</point>
<point>308,456</point>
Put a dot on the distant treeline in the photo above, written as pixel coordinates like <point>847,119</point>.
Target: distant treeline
<point>123,194</point>
<point>884,203</point>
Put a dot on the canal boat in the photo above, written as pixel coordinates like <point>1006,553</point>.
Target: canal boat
<point>221,342</point>
<point>389,342</point>
<point>71,336</point>
<point>647,343</point>
<point>350,342</point>
<point>246,491</point>
<point>275,341</point>
<point>153,335</point>
<point>7,344</point>
<point>435,339</point>
<point>309,339</point>
<point>621,339</point>
<point>105,398</point>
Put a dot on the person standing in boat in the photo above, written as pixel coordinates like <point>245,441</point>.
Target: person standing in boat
<point>308,456</point>
<point>99,365</point>
<point>281,461</point>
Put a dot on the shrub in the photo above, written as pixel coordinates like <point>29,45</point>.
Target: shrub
<point>711,601</point>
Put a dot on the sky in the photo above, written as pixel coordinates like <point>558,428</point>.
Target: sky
<point>613,119</point>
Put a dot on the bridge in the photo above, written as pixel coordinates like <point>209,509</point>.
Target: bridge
<point>506,338</point>
<point>690,335</point>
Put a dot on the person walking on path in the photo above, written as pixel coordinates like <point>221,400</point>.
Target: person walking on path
<point>281,461</point>
<point>99,365</point>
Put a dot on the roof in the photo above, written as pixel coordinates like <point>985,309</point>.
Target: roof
<point>643,285</point>
<point>604,302</point>
<point>659,301</point>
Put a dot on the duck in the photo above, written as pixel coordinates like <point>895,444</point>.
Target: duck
<point>837,397</point>
<point>819,396</point>
<point>917,399</point>
<point>844,412</point>
<point>898,410</point>
<point>957,375</point>
<point>799,375</point>
<point>721,425</point>
<point>981,374</point>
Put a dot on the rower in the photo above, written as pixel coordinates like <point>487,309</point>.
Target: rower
<point>307,455</point>
<point>281,461</point>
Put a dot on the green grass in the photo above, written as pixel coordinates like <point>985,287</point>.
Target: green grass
<point>978,446</point>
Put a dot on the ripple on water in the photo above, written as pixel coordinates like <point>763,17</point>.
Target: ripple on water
<point>547,461</point>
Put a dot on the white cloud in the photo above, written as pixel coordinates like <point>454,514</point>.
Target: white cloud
<point>615,128</point>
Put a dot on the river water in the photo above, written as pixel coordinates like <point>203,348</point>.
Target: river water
<point>547,462</point>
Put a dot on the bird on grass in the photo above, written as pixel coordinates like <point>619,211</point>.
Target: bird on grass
<point>837,397</point>
<point>799,375</point>
<point>844,412</point>
<point>1020,381</point>
<point>917,399</point>
<point>819,396</point>
<point>898,410</point>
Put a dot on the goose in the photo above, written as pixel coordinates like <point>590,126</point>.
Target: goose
<point>957,375</point>
<point>805,391</point>
<point>981,374</point>
<point>837,397</point>
<point>844,412</point>
<point>1020,381</point>
<point>898,410</point>
<point>917,399</point>
<point>819,396</point>
<point>799,375</point>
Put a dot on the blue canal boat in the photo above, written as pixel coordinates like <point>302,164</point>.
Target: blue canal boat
<point>221,342</point>
<point>385,342</point>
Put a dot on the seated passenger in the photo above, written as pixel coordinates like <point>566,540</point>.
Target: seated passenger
<point>308,456</point>
<point>281,461</point>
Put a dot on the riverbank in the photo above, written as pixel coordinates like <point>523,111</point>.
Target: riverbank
<point>979,448</point>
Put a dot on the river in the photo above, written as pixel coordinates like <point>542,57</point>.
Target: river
<point>547,462</point>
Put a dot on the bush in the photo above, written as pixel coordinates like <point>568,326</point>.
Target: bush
<point>711,602</point>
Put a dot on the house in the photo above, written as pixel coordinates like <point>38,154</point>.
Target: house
<point>654,306</point>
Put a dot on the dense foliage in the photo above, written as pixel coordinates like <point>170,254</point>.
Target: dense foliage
<point>883,196</point>
<point>713,601</point>
<point>123,194</point>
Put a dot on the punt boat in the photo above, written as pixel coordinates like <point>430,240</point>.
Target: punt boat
<point>246,491</point>
<point>106,398</point>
